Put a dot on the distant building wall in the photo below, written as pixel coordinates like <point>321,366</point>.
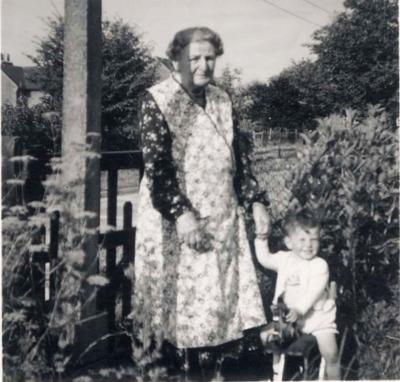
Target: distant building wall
<point>35,97</point>
<point>8,90</point>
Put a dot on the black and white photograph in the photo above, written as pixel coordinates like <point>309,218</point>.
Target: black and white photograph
<point>200,190</point>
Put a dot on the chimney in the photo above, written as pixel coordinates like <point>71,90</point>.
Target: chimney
<point>5,60</point>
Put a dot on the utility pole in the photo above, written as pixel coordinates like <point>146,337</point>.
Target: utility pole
<point>81,119</point>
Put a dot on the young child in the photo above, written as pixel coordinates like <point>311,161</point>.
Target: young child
<point>303,281</point>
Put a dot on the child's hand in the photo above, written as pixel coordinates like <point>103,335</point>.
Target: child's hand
<point>293,315</point>
<point>269,335</point>
<point>261,220</point>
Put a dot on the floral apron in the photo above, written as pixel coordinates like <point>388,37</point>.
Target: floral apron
<point>196,299</point>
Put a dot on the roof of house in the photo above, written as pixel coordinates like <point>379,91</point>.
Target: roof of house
<point>24,77</point>
<point>30,73</point>
<point>163,69</point>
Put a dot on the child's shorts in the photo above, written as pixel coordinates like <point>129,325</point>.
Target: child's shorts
<point>322,320</point>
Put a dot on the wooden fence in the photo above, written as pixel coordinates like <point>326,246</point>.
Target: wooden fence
<point>119,287</point>
<point>275,136</point>
<point>11,147</point>
<point>111,242</point>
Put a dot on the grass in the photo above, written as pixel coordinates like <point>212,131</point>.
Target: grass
<point>274,174</point>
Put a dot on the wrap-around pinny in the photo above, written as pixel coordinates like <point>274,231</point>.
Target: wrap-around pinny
<point>195,299</point>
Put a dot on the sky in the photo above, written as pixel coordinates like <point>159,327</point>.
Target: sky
<point>261,37</point>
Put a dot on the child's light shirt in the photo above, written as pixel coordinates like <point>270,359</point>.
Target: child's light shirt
<point>304,286</point>
<point>303,282</point>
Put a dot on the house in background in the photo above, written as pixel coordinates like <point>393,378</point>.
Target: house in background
<point>163,69</point>
<point>18,84</point>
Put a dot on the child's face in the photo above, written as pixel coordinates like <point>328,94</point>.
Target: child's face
<point>304,242</point>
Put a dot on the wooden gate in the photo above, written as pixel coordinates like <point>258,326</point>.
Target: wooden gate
<point>118,246</point>
<point>117,294</point>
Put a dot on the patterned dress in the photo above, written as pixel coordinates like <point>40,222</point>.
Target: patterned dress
<point>193,163</point>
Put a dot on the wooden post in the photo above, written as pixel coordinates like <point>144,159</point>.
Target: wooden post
<point>128,257</point>
<point>81,129</point>
<point>112,196</point>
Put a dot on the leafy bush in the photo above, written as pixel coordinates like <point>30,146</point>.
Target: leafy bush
<point>39,136</point>
<point>379,340</point>
<point>348,172</point>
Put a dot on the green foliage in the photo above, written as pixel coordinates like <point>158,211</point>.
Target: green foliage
<point>258,93</point>
<point>50,60</point>
<point>21,327</point>
<point>38,135</point>
<point>348,173</point>
<point>356,65</point>
<point>379,341</point>
<point>279,104</point>
<point>358,55</point>
<point>315,93</point>
<point>38,336</point>
<point>230,80</point>
<point>127,70</point>
<point>273,174</point>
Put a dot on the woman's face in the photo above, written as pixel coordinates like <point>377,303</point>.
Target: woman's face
<point>196,65</point>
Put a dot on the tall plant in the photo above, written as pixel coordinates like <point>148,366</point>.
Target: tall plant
<point>348,171</point>
<point>38,336</point>
<point>39,333</point>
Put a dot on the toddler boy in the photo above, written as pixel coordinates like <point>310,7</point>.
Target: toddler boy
<point>303,282</point>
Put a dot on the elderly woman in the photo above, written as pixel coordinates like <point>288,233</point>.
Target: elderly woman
<point>195,281</point>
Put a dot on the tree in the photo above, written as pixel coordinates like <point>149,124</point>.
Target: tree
<point>279,104</point>
<point>258,111</point>
<point>314,92</point>
<point>357,55</point>
<point>128,69</point>
<point>356,65</point>
<point>230,80</point>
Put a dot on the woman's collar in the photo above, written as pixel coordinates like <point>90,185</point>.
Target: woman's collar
<point>200,93</point>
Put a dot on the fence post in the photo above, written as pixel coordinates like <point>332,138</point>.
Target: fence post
<point>53,254</point>
<point>11,194</point>
<point>112,192</point>
<point>39,260</point>
<point>128,257</point>
<point>38,273</point>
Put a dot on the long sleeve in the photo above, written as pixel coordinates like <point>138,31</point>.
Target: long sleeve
<point>266,258</point>
<point>246,185</point>
<point>159,166</point>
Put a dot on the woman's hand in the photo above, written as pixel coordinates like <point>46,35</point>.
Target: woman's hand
<point>261,220</point>
<point>189,231</point>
